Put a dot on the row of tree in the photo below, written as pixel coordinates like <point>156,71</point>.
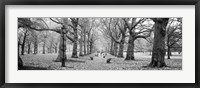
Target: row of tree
<point>30,40</point>
<point>162,35</point>
<point>53,31</point>
<point>120,34</point>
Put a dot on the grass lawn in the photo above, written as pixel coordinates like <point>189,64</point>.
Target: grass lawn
<point>45,62</point>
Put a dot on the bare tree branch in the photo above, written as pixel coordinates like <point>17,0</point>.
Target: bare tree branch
<point>36,29</point>
<point>56,21</point>
<point>70,38</point>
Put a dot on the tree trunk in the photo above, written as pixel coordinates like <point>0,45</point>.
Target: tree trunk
<point>88,44</point>
<point>20,62</point>
<point>91,47</point>
<point>80,42</point>
<point>23,43</point>
<point>121,50</point>
<point>35,47</point>
<point>55,48</point>
<point>80,50</point>
<point>168,47</point>
<point>121,47</point>
<point>111,48</point>
<point>50,48</point>
<point>74,52</point>
<point>130,49</point>
<point>168,52</point>
<point>62,49</point>
<point>84,41</point>
<point>150,52</point>
<point>43,50</point>
<point>88,48</point>
<point>29,47</point>
<point>115,49</point>
<point>22,48</point>
<point>35,43</point>
<point>158,54</point>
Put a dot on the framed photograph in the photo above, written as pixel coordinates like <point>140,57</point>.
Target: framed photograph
<point>107,43</point>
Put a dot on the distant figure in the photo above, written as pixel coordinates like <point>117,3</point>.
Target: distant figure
<point>96,54</point>
<point>104,55</point>
<point>91,58</point>
<point>108,60</point>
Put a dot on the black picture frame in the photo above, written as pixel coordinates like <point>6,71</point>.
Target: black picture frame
<point>99,2</point>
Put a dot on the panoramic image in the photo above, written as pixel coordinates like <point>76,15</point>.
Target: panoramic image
<point>99,43</point>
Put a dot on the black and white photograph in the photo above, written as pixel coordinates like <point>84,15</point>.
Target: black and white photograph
<point>99,43</point>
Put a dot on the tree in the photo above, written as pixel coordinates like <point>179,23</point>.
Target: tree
<point>35,42</point>
<point>24,40</point>
<point>22,24</point>
<point>123,28</point>
<point>86,26</point>
<point>55,47</point>
<point>43,37</point>
<point>29,46</point>
<point>65,24</point>
<point>62,45</point>
<point>93,37</point>
<point>20,62</point>
<point>174,34</point>
<point>158,54</point>
<point>52,41</point>
<point>136,30</point>
<point>83,23</point>
<point>91,26</point>
<point>38,26</point>
<point>111,30</point>
<point>74,25</point>
<point>81,44</point>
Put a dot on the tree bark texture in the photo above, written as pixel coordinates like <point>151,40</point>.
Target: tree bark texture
<point>74,52</point>
<point>158,54</point>
<point>130,49</point>
<point>121,47</point>
<point>20,62</point>
<point>115,48</point>
<point>62,49</point>
<point>84,41</point>
<point>29,47</point>
<point>81,48</point>
<point>111,48</point>
<point>44,45</point>
<point>23,43</point>
<point>168,48</point>
<point>35,47</point>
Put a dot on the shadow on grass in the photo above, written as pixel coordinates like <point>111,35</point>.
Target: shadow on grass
<point>31,68</point>
<point>69,60</point>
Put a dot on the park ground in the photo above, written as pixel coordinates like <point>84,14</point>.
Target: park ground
<point>45,62</point>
